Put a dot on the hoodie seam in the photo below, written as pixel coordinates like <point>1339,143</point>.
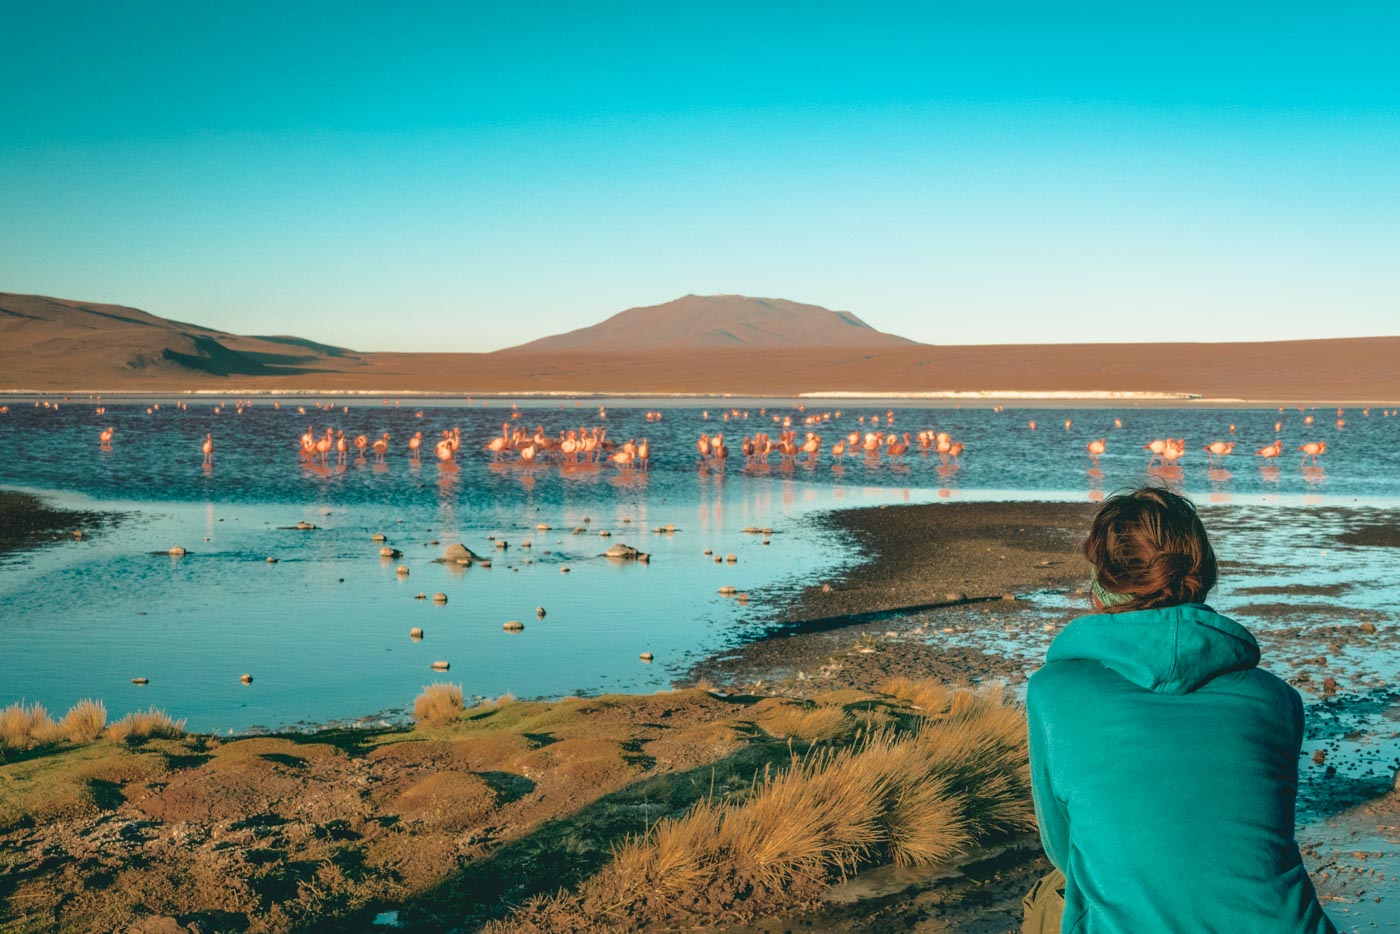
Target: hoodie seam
<point>1176,655</point>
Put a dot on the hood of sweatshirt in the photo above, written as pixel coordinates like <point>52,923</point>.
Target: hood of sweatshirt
<point>1169,650</point>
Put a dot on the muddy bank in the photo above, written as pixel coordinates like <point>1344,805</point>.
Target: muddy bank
<point>26,520</point>
<point>920,570</point>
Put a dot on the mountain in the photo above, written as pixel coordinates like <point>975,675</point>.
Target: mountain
<point>717,322</point>
<point>89,343</point>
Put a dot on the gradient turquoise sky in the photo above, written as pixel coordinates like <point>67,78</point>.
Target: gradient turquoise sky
<point>465,176</point>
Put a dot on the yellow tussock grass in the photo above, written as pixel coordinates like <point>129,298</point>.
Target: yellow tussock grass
<point>439,704</point>
<point>809,725</point>
<point>914,798</point>
<point>146,724</point>
<point>22,727</point>
<point>84,722</point>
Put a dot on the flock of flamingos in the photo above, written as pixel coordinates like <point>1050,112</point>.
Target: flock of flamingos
<point>591,445</point>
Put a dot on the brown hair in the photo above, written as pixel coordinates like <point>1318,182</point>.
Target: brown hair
<point>1149,545</point>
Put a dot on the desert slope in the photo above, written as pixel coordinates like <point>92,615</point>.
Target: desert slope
<point>59,345</point>
<point>715,322</point>
<point>46,341</point>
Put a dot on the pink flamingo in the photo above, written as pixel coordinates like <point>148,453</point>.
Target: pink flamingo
<point>381,447</point>
<point>1217,451</point>
<point>1096,449</point>
<point>1312,449</point>
<point>106,437</point>
<point>208,448</point>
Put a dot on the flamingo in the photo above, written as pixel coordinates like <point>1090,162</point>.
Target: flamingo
<point>644,454</point>
<point>415,443</point>
<point>838,449</point>
<point>897,448</point>
<point>323,447</point>
<point>106,437</point>
<point>1270,451</point>
<point>1157,446</point>
<point>381,447</point>
<point>361,442</point>
<point>1096,449</point>
<point>1218,451</point>
<point>1312,449</point>
<point>955,452</point>
<point>208,448</point>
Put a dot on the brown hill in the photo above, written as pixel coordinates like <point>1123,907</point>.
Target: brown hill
<point>705,322</point>
<point>88,343</point>
<point>53,344</point>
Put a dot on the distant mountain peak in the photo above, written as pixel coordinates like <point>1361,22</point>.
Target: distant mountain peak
<point>713,322</point>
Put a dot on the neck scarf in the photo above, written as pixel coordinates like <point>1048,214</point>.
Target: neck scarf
<point>1107,597</point>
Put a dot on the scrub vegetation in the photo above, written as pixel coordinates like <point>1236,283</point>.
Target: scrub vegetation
<point>614,812</point>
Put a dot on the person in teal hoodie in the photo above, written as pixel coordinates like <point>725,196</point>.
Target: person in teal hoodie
<point>1164,761</point>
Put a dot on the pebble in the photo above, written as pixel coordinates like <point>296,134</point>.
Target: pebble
<point>246,678</point>
<point>1367,627</point>
<point>646,656</point>
<point>401,571</point>
<point>415,633</point>
<point>271,560</point>
<point>439,597</point>
<point>177,552</point>
<point>709,551</point>
<point>378,537</point>
<point>440,665</point>
<point>512,625</point>
<point>957,597</point>
<point>140,680</point>
<point>539,611</point>
<point>388,552</point>
<point>564,569</point>
<point>543,527</point>
<point>728,589</point>
<point>420,596</point>
<point>731,558</point>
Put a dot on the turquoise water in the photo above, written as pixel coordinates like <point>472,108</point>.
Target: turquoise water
<point>324,631</point>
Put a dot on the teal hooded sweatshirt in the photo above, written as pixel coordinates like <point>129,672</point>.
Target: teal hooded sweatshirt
<point>1164,766</point>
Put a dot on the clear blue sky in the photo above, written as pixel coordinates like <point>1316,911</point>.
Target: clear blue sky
<point>464,176</point>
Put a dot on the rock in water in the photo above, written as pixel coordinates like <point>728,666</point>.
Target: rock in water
<point>460,553</point>
<point>626,552</point>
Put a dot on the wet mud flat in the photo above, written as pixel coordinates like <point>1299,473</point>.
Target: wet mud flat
<point>27,521</point>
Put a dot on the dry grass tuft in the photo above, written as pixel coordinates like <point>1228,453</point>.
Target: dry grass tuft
<point>84,722</point>
<point>22,727</point>
<point>927,696</point>
<point>810,725</point>
<point>914,798</point>
<point>146,724</point>
<point>439,704</point>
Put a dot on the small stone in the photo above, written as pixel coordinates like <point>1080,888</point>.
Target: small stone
<point>140,680</point>
<point>378,537</point>
<point>646,656</point>
<point>539,611</point>
<point>564,569</point>
<point>503,544</point>
<point>1329,685</point>
<point>709,551</point>
<point>389,552</point>
<point>77,533</point>
<point>270,560</point>
<point>512,625</point>
<point>305,527</point>
<point>420,596</point>
<point>246,678</point>
<point>587,519</point>
<point>728,589</point>
<point>401,571</point>
<point>177,552</point>
<point>718,560</point>
<point>956,597</point>
<point>460,554</point>
<point>441,665</point>
<point>525,544</point>
<point>1367,627</point>
<point>415,633</point>
<point>624,552</point>
<point>826,588</point>
<point>543,527</point>
<point>767,541</point>
<point>625,520</point>
<point>1319,757</point>
<point>605,534</point>
<point>439,598</point>
<point>485,562</point>
<point>731,558</point>
<point>1009,597</point>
